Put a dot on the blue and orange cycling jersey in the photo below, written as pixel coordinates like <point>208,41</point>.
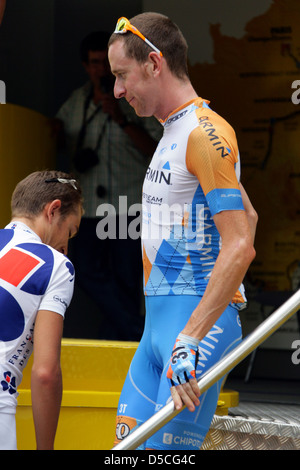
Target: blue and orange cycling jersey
<point>193,175</point>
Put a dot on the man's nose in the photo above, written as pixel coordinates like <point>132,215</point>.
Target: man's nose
<point>119,90</point>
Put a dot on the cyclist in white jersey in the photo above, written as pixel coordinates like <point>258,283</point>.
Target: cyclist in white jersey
<point>197,235</point>
<point>36,287</point>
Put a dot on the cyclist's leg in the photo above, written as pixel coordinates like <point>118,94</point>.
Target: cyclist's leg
<point>187,430</point>
<point>138,397</point>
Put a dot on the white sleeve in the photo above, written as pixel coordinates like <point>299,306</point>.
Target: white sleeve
<point>59,292</point>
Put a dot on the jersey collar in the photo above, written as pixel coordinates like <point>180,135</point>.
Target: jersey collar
<point>16,225</point>
<point>186,108</point>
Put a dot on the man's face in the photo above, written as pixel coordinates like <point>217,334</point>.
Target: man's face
<point>63,230</point>
<point>97,66</point>
<point>132,81</point>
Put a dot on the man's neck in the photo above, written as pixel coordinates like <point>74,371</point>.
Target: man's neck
<point>97,94</point>
<point>31,223</point>
<point>179,93</point>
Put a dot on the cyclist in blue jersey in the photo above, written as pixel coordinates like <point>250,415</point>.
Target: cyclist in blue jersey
<point>197,235</point>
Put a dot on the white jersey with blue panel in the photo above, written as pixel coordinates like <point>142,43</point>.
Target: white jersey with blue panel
<point>33,277</point>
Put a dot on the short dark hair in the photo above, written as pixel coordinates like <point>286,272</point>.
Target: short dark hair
<point>164,34</point>
<point>35,191</point>
<point>95,41</point>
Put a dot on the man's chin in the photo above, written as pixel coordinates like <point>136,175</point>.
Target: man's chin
<point>141,113</point>
<point>138,111</point>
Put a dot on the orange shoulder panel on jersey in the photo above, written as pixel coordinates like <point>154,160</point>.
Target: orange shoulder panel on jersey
<point>212,152</point>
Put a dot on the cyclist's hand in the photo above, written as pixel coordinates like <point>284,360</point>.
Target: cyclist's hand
<point>182,372</point>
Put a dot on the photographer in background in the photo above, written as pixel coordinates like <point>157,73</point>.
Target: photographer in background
<point>110,148</point>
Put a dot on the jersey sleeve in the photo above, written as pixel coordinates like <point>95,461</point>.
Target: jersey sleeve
<point>212,156</point>
<point>59,293</point>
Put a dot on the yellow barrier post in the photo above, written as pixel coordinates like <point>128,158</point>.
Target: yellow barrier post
<point>26,145</point>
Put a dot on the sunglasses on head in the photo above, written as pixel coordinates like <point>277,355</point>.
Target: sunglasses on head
<point>123,25</point>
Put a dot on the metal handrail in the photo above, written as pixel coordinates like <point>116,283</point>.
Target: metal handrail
<point>219,370</point>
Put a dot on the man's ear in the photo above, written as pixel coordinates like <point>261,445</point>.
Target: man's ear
<point>155,61</point>
<point>52,209</point>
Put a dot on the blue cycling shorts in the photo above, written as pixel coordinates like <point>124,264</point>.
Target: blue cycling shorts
<point>147,389</point>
